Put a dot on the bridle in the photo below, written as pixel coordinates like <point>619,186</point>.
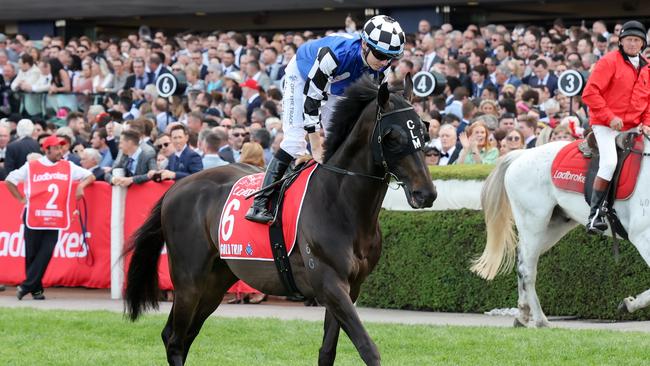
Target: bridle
<point>382,127</point>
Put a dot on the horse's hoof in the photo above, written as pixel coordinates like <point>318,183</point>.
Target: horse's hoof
<point>542,324</point>
<point>518,323</point>
<point>624,306</point>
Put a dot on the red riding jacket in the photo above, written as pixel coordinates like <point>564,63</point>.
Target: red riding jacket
<point>616,89</point>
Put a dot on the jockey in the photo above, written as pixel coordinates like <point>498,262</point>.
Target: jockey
<point>617,96</point>
<point>320,71</point>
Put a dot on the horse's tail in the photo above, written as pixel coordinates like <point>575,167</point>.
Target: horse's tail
<point>142,291</point>
<point>500,249</point>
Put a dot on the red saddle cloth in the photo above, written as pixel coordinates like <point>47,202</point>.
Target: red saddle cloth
<point>569,170</point>
<point>243,239</point>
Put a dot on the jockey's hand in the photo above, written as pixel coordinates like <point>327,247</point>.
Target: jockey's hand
<point>645,129</point>
<point>316,146</point>
<point>616,124</point>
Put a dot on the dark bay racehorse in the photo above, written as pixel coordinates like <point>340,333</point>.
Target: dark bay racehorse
<point>338,233</point>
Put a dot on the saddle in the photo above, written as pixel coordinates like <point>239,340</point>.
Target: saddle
<point>575,167</point>
<point>240,239</point>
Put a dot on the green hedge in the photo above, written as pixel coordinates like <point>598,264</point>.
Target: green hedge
<point>425,266</point>
<point>462,172</point>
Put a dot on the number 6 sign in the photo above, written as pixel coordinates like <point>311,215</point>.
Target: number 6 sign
<point>166,85</point>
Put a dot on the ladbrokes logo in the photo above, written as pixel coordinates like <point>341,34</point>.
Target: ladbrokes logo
<point>70,245</point>
<point>569,176</point>
<point>49,176</point>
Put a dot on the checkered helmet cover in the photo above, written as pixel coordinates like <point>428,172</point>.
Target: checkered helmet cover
<point>384,34</point>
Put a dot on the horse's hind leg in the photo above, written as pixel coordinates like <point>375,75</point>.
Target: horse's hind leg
<point>217,283</point>
<point>536,237</point>
<point>631,304</point>
<point>331,328</point>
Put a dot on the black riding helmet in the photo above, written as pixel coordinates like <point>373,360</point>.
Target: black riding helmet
<point>634,28</point>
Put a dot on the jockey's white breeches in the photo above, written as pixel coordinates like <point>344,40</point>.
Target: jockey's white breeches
<point>606,139</point>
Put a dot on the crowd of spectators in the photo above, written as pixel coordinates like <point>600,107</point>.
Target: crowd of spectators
<point>501,94</point>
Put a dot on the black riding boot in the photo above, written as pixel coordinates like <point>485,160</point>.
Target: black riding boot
<point>259,212</point>
<point>596,223</point>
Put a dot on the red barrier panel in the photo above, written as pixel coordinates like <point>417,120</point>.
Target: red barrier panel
<point>71,265</point>
<point>140,199</point>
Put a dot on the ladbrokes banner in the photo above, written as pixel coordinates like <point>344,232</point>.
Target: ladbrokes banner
<point>73,263</point>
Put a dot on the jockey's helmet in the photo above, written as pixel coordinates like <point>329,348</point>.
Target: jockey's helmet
<point>384,35</point>
<point>634,28</point>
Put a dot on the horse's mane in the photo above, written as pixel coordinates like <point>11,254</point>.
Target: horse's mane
<point>347,111</point>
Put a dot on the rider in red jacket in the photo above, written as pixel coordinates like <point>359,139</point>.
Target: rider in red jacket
<point>617,96</point>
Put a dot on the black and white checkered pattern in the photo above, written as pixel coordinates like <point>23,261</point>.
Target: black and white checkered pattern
<point>316,86</point>
<point>385,35</point>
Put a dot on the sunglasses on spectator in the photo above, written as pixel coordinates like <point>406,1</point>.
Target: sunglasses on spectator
<point>380,56</point>
<point>164,144</point>
<point>513,138</point>
<point>237,134</point>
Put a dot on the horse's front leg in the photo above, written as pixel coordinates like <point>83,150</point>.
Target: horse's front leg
<point>334,293</point>
<point>632,304</point>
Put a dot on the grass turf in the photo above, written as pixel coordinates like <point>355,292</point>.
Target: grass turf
<point>34,337</point>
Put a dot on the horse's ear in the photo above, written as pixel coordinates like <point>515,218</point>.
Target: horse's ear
<point>383,96</point>
<point>408,87</point>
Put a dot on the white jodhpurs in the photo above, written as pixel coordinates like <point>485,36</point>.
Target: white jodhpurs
<point>293,107</point>
<point>606,139</point>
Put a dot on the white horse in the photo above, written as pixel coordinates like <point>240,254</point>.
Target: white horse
<point>520,189</point>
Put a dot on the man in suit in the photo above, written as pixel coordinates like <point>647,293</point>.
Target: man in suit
<point>253,70</point>
<point>65,148</point>
<point>543,76</point>
<point>135,161</point>
<point>528,127</point>
<point>197,59</point>
<point>211,158</point>
<point>156,67</point>
<point>480,80</point>
<point>90,159</point>
<point>140,79</point>
<point>430,56</point>
<point>448,140</point>
<point>17,151</point>
<point>250,92</point>
<point>184,161</point>
<point>224,150</point>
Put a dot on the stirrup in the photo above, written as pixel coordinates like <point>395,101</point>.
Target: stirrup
<point>594,227</point>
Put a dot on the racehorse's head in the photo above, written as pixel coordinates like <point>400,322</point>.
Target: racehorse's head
<point>378,132</point>
<point>397,143</point>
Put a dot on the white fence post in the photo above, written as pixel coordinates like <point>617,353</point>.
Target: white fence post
<point>118,200</point>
